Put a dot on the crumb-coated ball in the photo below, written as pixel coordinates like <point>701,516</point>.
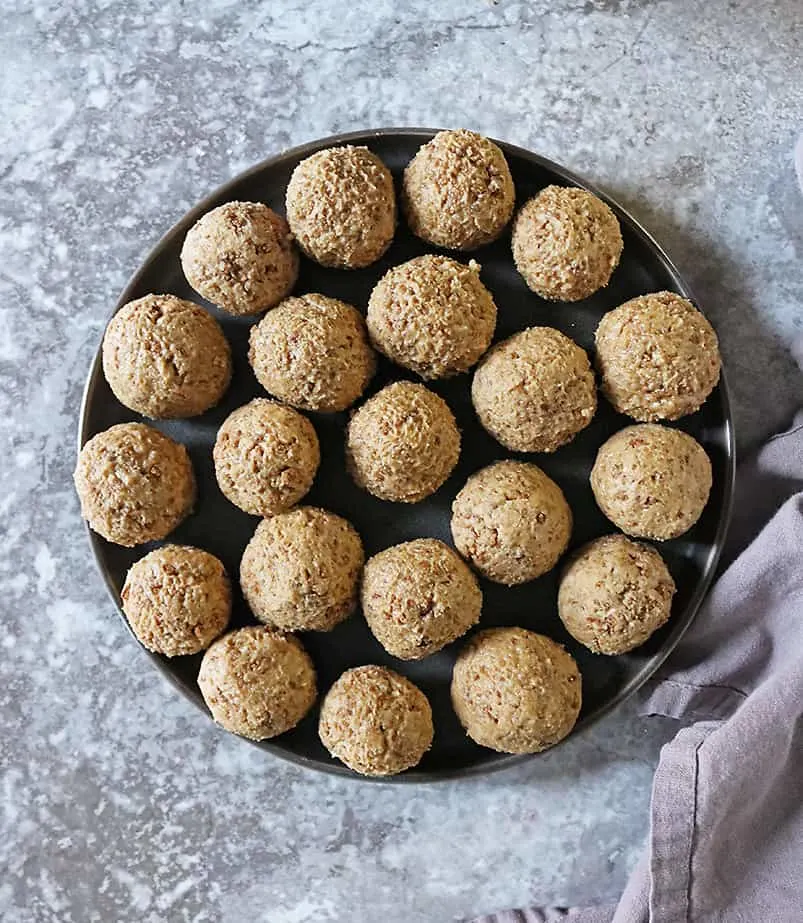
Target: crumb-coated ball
<point>535,391</point>
<point>241,257</point>
<point>432,315</point>
<point>341,207</point>
<point>614,593</point>
<point>135,484</point>
<point>516,691</point>
<point>458,192</point>
<point>165,357</point>
<point>377,722</point>
<point>301,569</point>
<point>177,600</point>
<point>418,597</point>
<point>658,357</point>
<point>652,481</point>
<point>403,443</point>
<point>266,457</point>
<point>313,353</point>
<point>257,682</point>
<point>566,243</point>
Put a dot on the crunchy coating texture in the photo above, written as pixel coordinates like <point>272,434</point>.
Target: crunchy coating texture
<point>432,315</point>
<point>301,569</point>
<point>458,191</point>
<point>511,522</point>
<point>266,457</point>
<point>535,391</point>
<point>658,357</point>
<point>241,257</point>
<point>177,600</point>
<point>313,353</point>
<point>134,483</point>
<point>403,443</point>
<point>257,682</point>
<point>516,691</point>
<point>165,357</point>
<point>341,207</point>
<point>652,481</point>
<point>566,243</point>
<point>376,722</point>
<point>418,597</point>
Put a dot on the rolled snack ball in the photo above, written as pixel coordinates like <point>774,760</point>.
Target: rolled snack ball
<point>241,257</point>
<point>516,691</point>
<point>177,600</point>
<point>658,357</point>
<point>418,597</point>
<point>134,483</point>
<point>652,481</point>
<point>165,357</point>
<point>432,315</point>
<point>535,391</point>
<point>458,191</point>
<point>511,522</point>
<point>566,243</point>
<point>376,722</point>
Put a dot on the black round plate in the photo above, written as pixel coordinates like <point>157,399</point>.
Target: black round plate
<point>224,530</point>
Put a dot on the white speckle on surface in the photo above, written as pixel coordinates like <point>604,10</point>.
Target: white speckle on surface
<point>45,567</point>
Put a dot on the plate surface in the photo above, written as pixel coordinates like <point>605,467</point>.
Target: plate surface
<point>224,530</point>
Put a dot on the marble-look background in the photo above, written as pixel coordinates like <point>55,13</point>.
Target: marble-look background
<point>118,801</point>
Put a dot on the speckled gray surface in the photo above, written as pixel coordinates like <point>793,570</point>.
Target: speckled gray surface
<point>118,800</point>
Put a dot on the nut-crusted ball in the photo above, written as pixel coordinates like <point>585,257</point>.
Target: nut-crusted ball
<point>658,357</point>
<point>341,207</point>
<point>134,483</point>
<point>241,257</point>
<point>614,593</point>
<point>257,682</point>
<point>377,722</point>
<point>652,481</point>
<point>516,691</point>
<point>432,315</point>
<point>511,522</point>
<point>566,243</point>
<point>313,352</point>
<point>266,457</point>
<point>418,597</point>
<point>458,191</point>
<point>403,443</point>
<point>301,569</point>
<point>535,391</point>
<point>164,357</point>
<point>177,600</point>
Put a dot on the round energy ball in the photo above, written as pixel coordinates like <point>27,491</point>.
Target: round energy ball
<point>403,443</point>
<point>432,315</point>
<point>341,207</point>
<point>241,257</point>
<point>418,597</point>
<point>313,353</point>
<point>566,243</point>
<point>511,522</point>
<point>257,682</point>
<point>177,600</point>
<point>658,357</point>
<point>376,722</point>
<point>301,569</point>
<point>535,391</point>
<point>134,483</point>
<point>652,481</point>
<point>516,691</point>
<point>164,357</point>
<point>458,191</point>
<point>266,456</point>
<point>614,593</point>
